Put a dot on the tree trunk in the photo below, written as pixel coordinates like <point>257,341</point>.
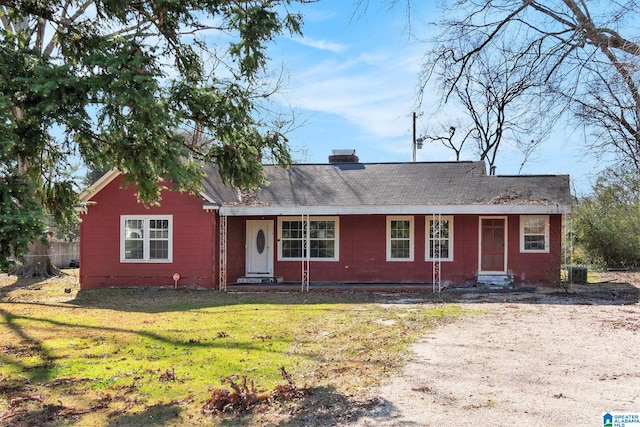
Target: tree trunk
<point>37,263</point>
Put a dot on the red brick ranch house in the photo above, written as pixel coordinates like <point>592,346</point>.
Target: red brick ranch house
<point>444,223</point>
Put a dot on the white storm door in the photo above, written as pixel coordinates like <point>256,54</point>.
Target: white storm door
<point>259,248</point>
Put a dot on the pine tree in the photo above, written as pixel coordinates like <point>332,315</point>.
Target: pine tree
<point>115,82</point>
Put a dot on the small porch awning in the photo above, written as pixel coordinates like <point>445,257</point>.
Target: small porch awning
<point>479,209</point>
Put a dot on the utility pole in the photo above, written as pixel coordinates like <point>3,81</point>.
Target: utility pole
<point>415,145</point>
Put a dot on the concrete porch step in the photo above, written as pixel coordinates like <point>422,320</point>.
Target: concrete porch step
<point>254,280</point>
<point>495,280</point>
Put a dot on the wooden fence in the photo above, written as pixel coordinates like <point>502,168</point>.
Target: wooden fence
<point>61,253</point>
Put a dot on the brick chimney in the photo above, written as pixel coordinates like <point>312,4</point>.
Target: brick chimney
<point>343,156</point>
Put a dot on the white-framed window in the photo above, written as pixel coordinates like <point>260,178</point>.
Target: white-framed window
<point>400,238</point>
<point>534,233</point>
<point>439,242</point>
<point>323,234</point>
<point>146,238</point>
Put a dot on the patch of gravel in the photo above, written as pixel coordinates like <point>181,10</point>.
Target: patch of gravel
<point>543,358</point>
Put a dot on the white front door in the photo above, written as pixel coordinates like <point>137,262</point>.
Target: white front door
<point>259,248</point>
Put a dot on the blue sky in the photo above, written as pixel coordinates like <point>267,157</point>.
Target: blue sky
<point>352,81</point>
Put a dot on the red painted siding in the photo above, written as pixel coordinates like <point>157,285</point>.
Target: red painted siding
<point>362,254</point>
<point>534,268</point>
<point>236,238</point>
<point>193,241</point>
<point>362,248</point>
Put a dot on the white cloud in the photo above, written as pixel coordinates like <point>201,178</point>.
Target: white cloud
<point>321,44</point>
<point>358,76</point>
<point>374,92</point>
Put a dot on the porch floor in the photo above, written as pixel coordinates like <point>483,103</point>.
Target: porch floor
<point>365,287</point>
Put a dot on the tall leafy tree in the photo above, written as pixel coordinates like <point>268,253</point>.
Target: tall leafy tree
<point>117,82</point>
<point>607,222</point>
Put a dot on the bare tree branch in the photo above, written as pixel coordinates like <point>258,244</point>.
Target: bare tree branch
<point>577,46</point>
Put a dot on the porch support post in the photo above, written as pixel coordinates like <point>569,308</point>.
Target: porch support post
<point>568,248</point>
<point>305,252</point>
<point>436,263</point>
<point>222,271</point>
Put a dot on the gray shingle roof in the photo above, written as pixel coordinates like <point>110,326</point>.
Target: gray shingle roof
<point>397,184</point>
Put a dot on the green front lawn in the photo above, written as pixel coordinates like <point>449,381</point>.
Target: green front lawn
<point>128,356</point>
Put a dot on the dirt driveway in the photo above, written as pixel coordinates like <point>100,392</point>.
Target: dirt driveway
<point>534,359</point>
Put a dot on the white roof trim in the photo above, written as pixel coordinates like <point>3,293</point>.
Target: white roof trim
<point>396,210</point>
<point>99,185</point>
<point>207,198</point>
